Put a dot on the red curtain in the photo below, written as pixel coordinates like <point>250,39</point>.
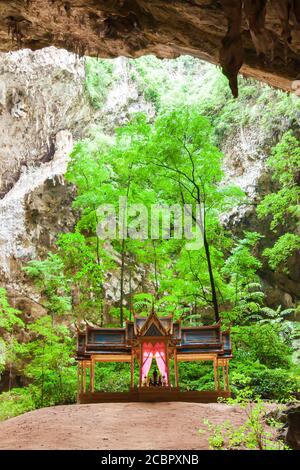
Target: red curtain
<point>157,350</point>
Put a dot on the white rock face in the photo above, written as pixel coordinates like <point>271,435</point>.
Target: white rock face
<point>43,108</point>
<point>15,242</point>
<point>123,98</point>
<point>41,93</point>
<point>244,160</point>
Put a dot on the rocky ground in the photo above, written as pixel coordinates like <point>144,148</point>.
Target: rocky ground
<point>117,426</point>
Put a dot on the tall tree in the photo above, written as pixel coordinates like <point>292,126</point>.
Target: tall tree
<point>177,149</point>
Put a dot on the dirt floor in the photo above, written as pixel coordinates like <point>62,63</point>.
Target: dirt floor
<point>116,426</point>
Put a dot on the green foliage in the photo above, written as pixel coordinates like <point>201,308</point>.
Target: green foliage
<point>10,325</point>
<point>196,376</point>
<point>167,85</point>
<point>9,317</point>
<point>80,258</point>
<point>46,360</point>
<point>285,170</point>
<point>99,77</point>
<point>177,148</point>
<point>250,379</point>
<point>282,206</point>
<point>282,250</point>
<point>252,435</point>
<point>172,158</point>
<point>272,384</point>
<point>264,343</point>
<point>242,264</point>
<point>52,282</point>
<point>278,317</point>
<point>113,377</point>
<point>50,365</point>
<point>16,402</point>
<point>244,290</point>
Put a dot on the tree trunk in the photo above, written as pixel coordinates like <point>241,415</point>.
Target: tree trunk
<point>211,278</point>
<point>202,227</point>
<point>123,255</point>
<point>130,294</point>
<point>155,271</point>
<point>122,283</point>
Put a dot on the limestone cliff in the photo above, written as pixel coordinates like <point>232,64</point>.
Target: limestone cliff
<point>43,108</point>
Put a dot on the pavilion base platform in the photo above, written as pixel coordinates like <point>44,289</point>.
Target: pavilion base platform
<point>209,396</point>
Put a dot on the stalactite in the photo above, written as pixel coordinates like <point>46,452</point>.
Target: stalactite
<point>284,9</point>
<point>232,54</point>
<point>255,12</point>
<point>18,27</point>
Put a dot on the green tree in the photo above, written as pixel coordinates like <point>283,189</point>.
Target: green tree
<point>52,282</point>
<point>264,343</point>
<point>282,206</point>
<point>243,289</point>
<point>187,169</point>
<point>10,326</point>
<point>50,363</point>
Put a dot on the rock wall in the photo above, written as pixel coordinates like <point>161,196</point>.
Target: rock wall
<point>43,109</point>
<point>246,152</point>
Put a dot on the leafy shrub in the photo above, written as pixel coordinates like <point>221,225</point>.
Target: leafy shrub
<point>113,377</point>
<point>285,247</point>
<point>264,343</point>
<point>252,435</point>
<point>272,384</point>
<point>16,402</point>
<point>196,376</point>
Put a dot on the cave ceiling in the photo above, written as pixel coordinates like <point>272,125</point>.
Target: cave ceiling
<point>259,38</point>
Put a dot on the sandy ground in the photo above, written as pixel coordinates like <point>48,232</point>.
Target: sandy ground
<point>116,426</point>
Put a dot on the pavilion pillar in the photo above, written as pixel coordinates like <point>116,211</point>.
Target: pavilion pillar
<point>92,380</point>
<point>78,381</point>
<point>84,378</point>
<point>224,375</point>
<point>176,369</point>
<point>81,377</point>
<point>167,363</point>
<point>216,373</point>
<point>141,365</point>
<point>227,375</point>
<point>132,371</point>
